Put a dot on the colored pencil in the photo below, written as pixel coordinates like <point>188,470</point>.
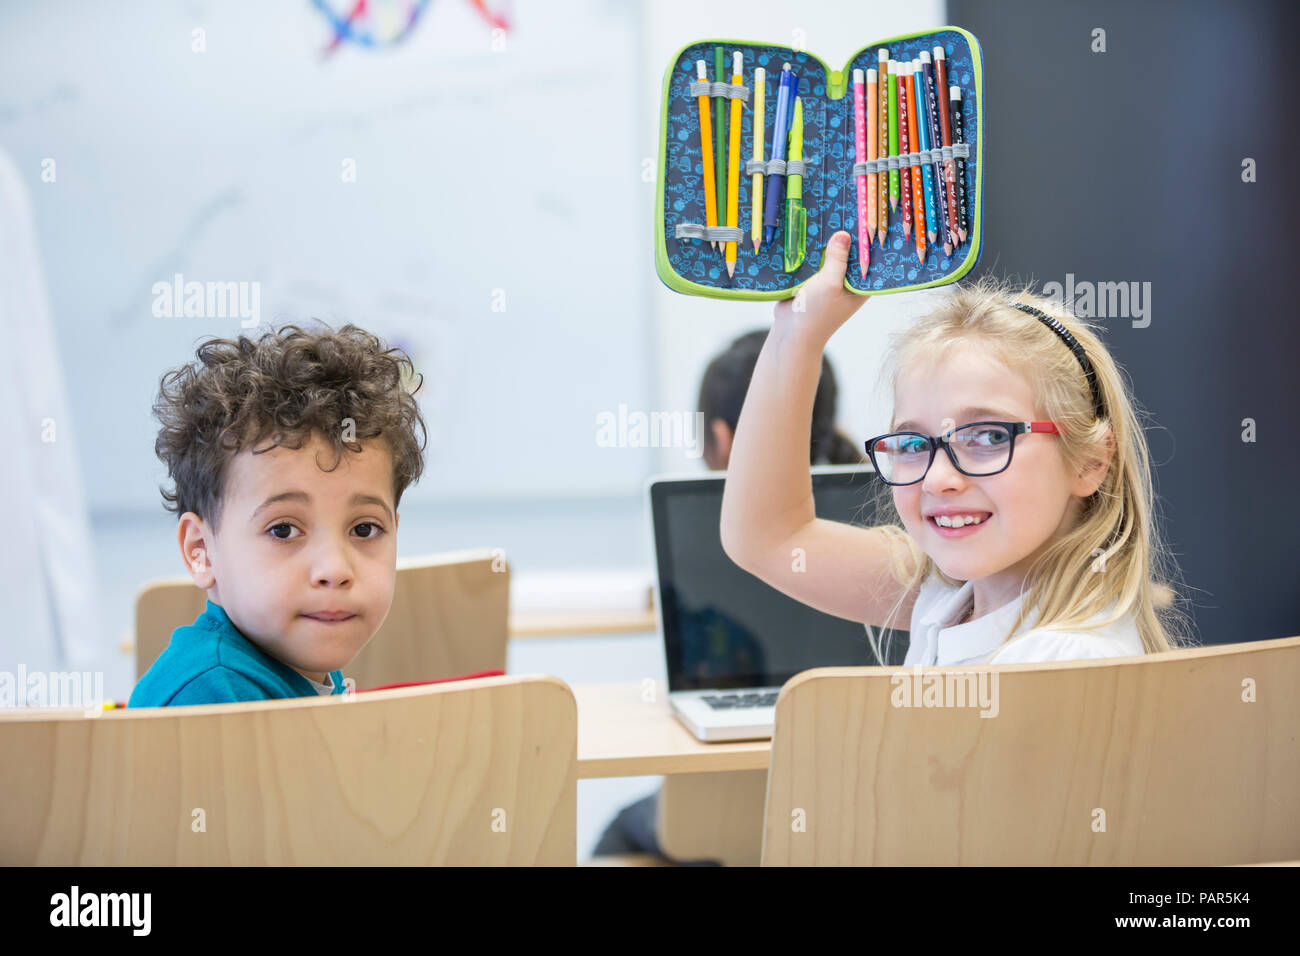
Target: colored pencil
<point>914,138</point>
<point>904,147</point>
<point>945,130</point>
<point>860,152</point>
<point>959,138</point>
<point>720,131</point>
<point>936,141</point>
<point>873,152</point>
<point>893,133</point>
<point>882,190</point>
<point>760,134</point>
<point>706,151</point>
<point>927,170</point>
<point>733,161</point>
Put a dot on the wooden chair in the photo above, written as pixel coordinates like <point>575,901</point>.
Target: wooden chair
<point>713,816</point>
<point>1166,751</point>
<point>476,772</point>
<point>449,617</point>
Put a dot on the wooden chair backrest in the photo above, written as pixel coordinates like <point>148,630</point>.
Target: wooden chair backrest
<point>449,617</point>
<point>476,772</point>
<point>1183,758</point>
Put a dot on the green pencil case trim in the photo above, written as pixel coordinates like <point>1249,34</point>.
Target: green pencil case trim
<point>832,109</point>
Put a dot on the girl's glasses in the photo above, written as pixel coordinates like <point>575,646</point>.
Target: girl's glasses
<point>978,450</point>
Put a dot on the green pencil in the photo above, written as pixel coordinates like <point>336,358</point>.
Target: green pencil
<point>893,131</point>
<point>720,135</point>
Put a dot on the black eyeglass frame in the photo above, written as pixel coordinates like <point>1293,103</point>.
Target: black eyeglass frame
<point>1014,428</point>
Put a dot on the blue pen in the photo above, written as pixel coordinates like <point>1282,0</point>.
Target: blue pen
<point>784,118</point>
<point>927,172</point>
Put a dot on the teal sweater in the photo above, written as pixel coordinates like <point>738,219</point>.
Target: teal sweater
<point>210,662</point>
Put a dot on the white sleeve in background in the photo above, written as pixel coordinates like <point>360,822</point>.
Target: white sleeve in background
<point>48,584</point>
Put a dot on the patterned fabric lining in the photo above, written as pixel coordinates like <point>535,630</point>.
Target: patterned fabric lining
<point>829,193</point>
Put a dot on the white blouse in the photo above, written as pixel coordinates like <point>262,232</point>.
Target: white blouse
<point>935,640</point>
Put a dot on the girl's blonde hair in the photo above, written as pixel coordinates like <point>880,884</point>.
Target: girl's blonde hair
<point>1115,553</point>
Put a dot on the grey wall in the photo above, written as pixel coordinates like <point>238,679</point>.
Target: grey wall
<point>1126,166</point>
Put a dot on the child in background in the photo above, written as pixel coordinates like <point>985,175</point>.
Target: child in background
<point>722,392</point>
<point>1032,540</point>
<point>290,456</point>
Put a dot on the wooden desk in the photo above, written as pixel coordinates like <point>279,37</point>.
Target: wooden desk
<point>637,618</point>
<point>571,623</point>
<point>628,730</point>
<point>714,794</point>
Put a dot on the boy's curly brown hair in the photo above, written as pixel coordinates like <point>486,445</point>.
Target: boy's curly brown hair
<point>288,386</point>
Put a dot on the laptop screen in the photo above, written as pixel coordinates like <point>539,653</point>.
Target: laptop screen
<point>723,627</point>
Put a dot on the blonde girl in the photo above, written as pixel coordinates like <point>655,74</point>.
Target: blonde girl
<point>1015,466</point>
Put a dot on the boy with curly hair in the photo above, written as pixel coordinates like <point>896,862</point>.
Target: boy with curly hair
<point>289,456</point>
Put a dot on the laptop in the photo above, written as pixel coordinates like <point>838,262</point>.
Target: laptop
<point>731,640</point>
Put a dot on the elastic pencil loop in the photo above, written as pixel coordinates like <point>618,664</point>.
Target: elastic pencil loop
<point>695,230</point>
<point>1089,372</point>
<point>778,167</point>
<point>922,158</point>
<point>735,91</point>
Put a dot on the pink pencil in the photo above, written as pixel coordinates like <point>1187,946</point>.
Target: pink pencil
<point>860,144</point>
<point>873,201</point>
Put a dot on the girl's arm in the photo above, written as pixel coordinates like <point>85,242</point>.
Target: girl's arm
<point>769,526</point>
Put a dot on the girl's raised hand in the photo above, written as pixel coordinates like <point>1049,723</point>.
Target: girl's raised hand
<point>822,304</point>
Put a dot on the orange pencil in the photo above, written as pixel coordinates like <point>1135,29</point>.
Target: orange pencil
<point>706,152</point>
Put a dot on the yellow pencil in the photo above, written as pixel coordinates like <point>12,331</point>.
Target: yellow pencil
<point>760,135</point>
<point>733,160</point>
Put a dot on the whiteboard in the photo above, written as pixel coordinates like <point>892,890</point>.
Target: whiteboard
<point>228,165</point>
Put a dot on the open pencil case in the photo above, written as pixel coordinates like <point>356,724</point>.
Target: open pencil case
<point>685,256</point>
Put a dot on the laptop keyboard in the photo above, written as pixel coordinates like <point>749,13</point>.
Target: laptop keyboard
<point>732,701</point>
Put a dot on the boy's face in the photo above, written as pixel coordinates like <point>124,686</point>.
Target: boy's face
<point>328,544</point>
<point>1032,502</point>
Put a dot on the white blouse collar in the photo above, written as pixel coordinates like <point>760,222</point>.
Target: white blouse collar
<point>949,643</point>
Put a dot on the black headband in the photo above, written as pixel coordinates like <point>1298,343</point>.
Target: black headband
<point>1075,347</point>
